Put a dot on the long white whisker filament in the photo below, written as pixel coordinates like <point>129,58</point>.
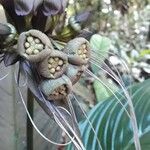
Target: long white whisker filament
<point>25,83</point>
<point>99,61</point>
<point>117,80</point>
<point>75,135</point>
<point>60,124</point>
<point>122,61</point>
<point>72,109</point>
<point>36,128</point>
<point>132,115</point>
<point>80,146</point>
<point>88,121</point>
<point>125,65</point>
<point>93,75</point>
<point>4,77</point>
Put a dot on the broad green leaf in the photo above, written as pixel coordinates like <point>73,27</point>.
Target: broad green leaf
<point>100,44</point>
<point>101,92</point>
<point>113,126</point>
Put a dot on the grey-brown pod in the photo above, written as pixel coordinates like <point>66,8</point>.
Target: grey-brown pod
<point>56,89</point>
<point>74,72</point>
<point>78,51</point>
<point>34,45</point>
<point>12,34</point>
<point>54,65</point>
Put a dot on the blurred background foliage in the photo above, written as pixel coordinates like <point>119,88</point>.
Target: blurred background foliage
<point>126,25</point>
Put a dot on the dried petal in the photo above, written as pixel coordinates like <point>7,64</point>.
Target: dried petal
<point>28,48</point>
<point>53,7</point>
<point>36,4</point>
<point>10,59</point>
<point>78,51</point>
<point>56,89</point>
<point>54,65</point>
<point>23,7</point>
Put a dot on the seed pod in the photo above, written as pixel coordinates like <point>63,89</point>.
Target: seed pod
<point>34,45</point>
<point>74,72</point>
<point>74,24</point>
<point>78,51</point>
<point>7,34</point>
<point>54,65</point>
<point>56,89</point>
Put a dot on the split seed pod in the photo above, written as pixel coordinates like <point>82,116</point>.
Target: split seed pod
<point>74,72</point>
<point>56,89</point>
<point>78,51</point>
<point>54,65</point>
<point>34,45</point>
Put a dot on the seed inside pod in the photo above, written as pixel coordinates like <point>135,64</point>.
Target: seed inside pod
<point>33,45</point>
<point>78,51</point>
<point>36,51</point>
<point>27,45</point>
<point>29,51</point>
<point>37,41</point>
<point>56,89</point>
<point>82,51</point>
<point>61,91</point>
<point>55,64</point>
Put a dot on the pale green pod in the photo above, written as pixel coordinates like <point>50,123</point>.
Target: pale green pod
<point>74,72</point>
<point>34,45</point>
<point>54,65</point>
<point>56,89</point>
<point>78,51</point>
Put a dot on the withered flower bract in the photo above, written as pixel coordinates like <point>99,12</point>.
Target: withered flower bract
<point>48,7</point>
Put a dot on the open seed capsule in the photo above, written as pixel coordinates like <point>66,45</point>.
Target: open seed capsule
<point>56,89</point>
<point>54,65</point>
<point>74,72</point>
<point>78,51</point>
<point>34,45</point>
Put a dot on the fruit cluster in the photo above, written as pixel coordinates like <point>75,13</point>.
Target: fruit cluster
<point>59,69</point>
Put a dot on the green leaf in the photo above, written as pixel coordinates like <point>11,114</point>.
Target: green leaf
<point>100,44</point>
<point>113,126</point>
<point>101,92</point>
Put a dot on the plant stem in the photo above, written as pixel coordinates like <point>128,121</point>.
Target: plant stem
<point>30,106</point>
